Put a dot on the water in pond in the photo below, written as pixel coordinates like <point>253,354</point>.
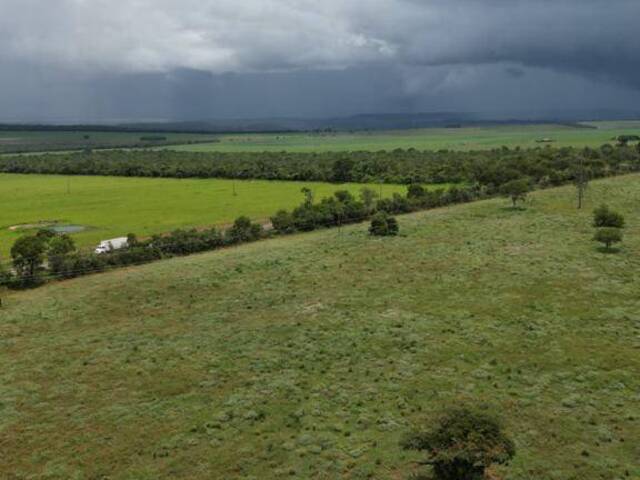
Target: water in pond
<point>68,228</point>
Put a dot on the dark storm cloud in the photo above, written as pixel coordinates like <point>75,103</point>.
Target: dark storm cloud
<point>594,37</point>
<point>271,49</point>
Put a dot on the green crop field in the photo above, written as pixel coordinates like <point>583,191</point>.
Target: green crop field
<point>310,356</point>
<point>111,207</point>
<point>468,138</point>
<point>38,141</point>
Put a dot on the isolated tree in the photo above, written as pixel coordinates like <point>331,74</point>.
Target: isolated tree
<point>581,180</point>
<point>463,444</point>
<point>516,190</point>
<point>28,256</point>
<point>383,225</point>
<point>608,236</point>
<point>603,217</point>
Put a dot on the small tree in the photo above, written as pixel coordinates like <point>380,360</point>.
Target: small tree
<point>28,256</point>
<point>516,190</point>
<point>463,445</point>
<point>608,236</point>
<point>603,217</point>
<point>383,225</point>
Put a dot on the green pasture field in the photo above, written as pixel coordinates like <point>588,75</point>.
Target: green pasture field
<point>115,206</point>
<point>310,356</point>
<point>38,141</point>
<point>468,138</point>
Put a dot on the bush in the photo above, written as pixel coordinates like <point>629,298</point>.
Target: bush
<point>243,231</point>
<point>603,217</point>
<point>463,444</point>
<point>382,225</point>
<point>608,236</point>
<point>283,222</point>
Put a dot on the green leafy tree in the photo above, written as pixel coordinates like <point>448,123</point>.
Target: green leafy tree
<point>603,217</point>
<point>28,256</point>
<point>59,248</point>
<point>383,225</point>
<point>608,236</point>
<point>463,445</point>
<point>517,190</point>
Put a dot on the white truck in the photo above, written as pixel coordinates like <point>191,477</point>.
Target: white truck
<point>111,245</point>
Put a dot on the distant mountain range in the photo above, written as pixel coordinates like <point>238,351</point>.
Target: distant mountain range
<point>382,121</point>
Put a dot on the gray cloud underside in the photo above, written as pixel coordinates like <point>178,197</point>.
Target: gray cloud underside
<point>594,38</point>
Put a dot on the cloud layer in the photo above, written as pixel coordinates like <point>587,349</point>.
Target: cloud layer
<point>591,37</point>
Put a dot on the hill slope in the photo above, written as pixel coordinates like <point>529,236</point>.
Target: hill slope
<point>310,356</point>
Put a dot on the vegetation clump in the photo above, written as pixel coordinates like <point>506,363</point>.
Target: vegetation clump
<point>603,217</point>
<point>608,225</point>
<point>516,190</point>
<point>463,445</point>
<point>383,225</point>
<point>608,236</point>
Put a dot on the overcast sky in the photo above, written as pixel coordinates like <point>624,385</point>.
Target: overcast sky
<point>112,60</point>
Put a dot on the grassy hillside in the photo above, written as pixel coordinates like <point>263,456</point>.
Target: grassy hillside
<point>310,356</point>
<point>468,138</point>
<point>114,206</point>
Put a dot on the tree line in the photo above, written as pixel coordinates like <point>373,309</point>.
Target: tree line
<point>543,166</point>
<point>45,255</point>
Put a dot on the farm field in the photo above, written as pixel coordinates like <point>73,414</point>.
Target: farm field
<point>113,206</point>
<point>467,138</point>
<point>310,356</point>
<point>38,141</point>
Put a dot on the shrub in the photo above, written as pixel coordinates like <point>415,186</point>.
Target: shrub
<point>243,231</point>
<point>283,222</point>
<point>603,217</point>
<point>382,225</point>
<point>608,236</point>
<point>415,190</point>
<point>463,445</point>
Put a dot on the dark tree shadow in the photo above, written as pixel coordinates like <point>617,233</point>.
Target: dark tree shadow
<point>608,251</point>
